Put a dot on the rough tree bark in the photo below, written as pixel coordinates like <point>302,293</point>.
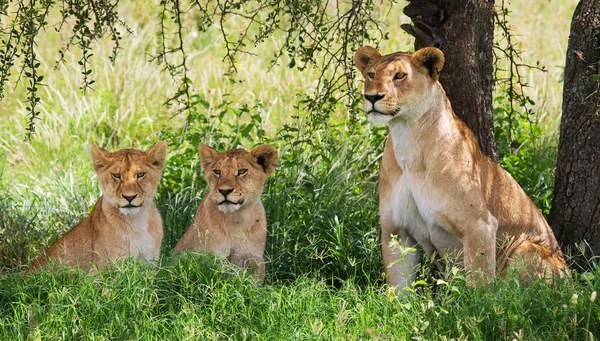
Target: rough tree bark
<point>464,31</point>
<point>575,213</point>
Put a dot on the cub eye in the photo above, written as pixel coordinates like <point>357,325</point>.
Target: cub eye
<point>242,172</point>
<point>216,172</point>
<point>116,176</point>
<point>140,175</point>
<point>371,75</point>
<point>399,75</point>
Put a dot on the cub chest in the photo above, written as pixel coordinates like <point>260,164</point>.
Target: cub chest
<point>139,242</point>
<point>143,244</point>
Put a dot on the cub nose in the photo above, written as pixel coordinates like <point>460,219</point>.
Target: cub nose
<point>129,197</point>
<point>225,191</point>
<point>374,98</point>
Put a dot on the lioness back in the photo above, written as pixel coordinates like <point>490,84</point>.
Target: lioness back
<point>230,221</point>
<point>124,221</point>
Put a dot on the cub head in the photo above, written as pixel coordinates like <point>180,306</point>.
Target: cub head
<point>128,178</point>
<point>398,85</point>
<point>236,177</point>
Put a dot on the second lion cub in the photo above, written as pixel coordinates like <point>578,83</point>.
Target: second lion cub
<point>230,221</point>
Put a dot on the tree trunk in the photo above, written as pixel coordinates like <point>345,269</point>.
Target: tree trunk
<point>575,213</point>
<point>464,31</point>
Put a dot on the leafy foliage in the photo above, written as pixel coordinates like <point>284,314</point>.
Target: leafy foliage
<point>93,19</point>
<point>524,153</point>
<point>315,33</point>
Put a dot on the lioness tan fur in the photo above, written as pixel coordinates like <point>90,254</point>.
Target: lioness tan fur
<point>230,221</point>
<point>437,190</point>
<point>124,222</point>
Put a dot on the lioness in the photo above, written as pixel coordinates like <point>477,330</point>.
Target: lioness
<point>437,190</point>
<point>124,221</point>
<point>230,221</point>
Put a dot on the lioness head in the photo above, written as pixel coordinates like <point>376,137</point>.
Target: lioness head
<point>398,85</point>
<point>128,178</point>
<point>236,177</point>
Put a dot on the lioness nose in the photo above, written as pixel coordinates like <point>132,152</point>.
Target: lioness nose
<point>374,98</point>
<point>225,191</point>
<point>129,197</point>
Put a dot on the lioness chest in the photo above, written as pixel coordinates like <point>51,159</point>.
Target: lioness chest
<point>416,203</point>
<point>417,208</point>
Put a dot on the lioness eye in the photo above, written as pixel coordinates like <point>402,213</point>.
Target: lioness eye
<point>242,171</point>
<point>140,175</point>
<point>217,172</point>
<point>399,75</point>
<point>371,75</point>
<point>116,176</point>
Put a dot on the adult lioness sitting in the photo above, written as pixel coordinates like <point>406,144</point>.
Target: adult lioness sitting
<point>437,190</point>
<point>230,221</point>
<point>124,221</point>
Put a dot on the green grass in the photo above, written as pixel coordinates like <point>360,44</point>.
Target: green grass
<point>324,268</point>
<point>190,299</point>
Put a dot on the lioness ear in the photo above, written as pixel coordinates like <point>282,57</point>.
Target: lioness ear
<point>208,155</point>
<point>365,56</point>
<point>431,59</point>
<point>156,154</point>
<point>266,156</point>
<point>100,158</point>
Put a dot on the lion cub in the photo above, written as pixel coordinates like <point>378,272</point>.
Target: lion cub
<point>124,221</point>
<point>437,191</point>
<point>230,221</point>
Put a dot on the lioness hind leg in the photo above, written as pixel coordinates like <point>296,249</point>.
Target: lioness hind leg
<point>534,260</point>
<point>480,250</point>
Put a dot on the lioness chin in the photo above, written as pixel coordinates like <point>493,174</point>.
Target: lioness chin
<point>124,222</point>
<point>230,221</point>
<point>437,191</point>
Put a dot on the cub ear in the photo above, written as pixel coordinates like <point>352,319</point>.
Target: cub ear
<point>266,156</point>
<point>100,158</point>
<point>365,56</point>
<point>431,59</point>
<point>156,154</point>
<point>208,155</point>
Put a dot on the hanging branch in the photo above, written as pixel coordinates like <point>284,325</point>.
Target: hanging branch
<point>171,10</point>
<point>93,19</point>
<point>513,84</point>
<point>317,33</point>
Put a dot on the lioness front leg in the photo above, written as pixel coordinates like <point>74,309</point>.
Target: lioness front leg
<point>480,252</point>
<point>400,265</point>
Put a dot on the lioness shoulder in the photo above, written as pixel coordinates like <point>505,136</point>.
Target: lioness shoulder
<point>124,221</point>
<point>437,191</point>
<point>230,221</point>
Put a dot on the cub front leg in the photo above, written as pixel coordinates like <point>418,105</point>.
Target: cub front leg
<point>400,266</point>
<point>257,267</point>
<point>253,263</point>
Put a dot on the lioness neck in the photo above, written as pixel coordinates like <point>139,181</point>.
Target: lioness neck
<point>431,130</point>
